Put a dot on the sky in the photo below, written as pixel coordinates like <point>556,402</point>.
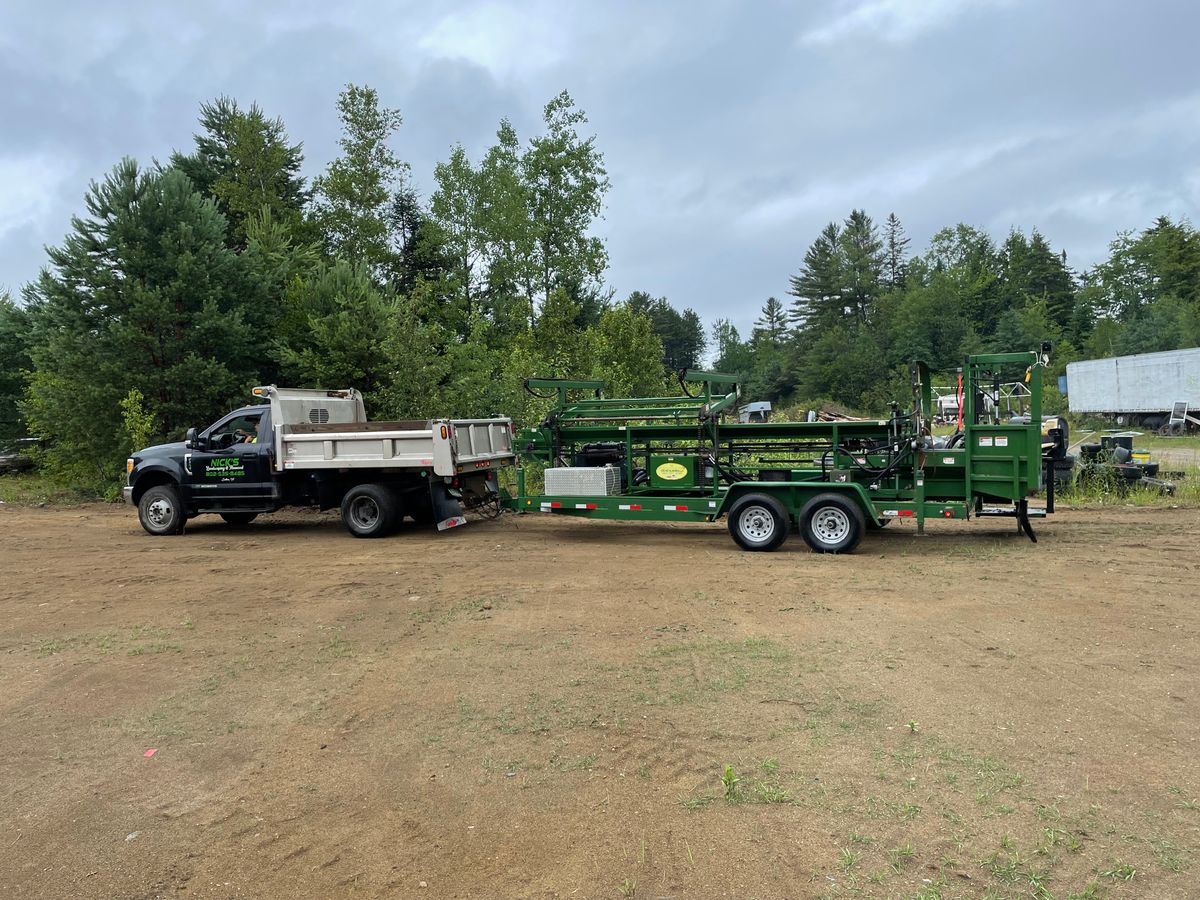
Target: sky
<point>731,131</point>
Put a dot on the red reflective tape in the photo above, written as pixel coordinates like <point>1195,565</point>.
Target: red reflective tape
<point>557,505</point>
<point>585,505</point>
<point>905,512</point>
<point>675,508</point>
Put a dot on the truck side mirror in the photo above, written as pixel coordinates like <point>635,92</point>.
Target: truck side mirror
<point>195,441</point>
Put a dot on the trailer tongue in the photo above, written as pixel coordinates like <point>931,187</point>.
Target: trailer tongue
<point>675,459</point>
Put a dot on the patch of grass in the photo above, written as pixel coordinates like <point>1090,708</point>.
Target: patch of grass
<point>336,648</point>
<point>1119,872</point>
<point>695,802</point>
<point>50,648</point>
<point>848,859</point>
<point>628,887</point>
<point>898,857</point>
<point>36,489</point>
<point>770,793</point>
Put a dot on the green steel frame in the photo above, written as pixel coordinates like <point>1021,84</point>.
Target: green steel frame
<point>886,466</point>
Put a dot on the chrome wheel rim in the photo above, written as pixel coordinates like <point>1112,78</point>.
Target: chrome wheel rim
<point>830,525</point>
<point>756,524</point>
<point>364,513</point>
<point>159,512</point>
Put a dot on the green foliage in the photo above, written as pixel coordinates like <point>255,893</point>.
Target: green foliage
<point>143,293</point>
<point>247,164</point>
<point>353,197</point>
<point>138,423</point>
<point>14,361</point>
<point>729,784</point>
<point>337,322</point>
<point>680,333</point>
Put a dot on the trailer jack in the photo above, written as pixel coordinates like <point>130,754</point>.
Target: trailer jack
<point>1020,512</point>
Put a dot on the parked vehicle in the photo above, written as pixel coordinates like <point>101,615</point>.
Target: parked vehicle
<point>673,459</point>
<point>317,449</point>
<point>1146,390</point>
<point>19,455</point>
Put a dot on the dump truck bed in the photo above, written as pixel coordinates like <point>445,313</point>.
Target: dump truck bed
<point>329,430</point>
<point>445,446</point>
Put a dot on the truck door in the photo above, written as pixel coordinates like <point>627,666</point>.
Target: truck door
<point>235,470</point>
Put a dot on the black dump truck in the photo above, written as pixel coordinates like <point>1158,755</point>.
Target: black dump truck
<point>316,449</point>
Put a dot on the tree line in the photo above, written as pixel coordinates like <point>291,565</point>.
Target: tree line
<point>184,283</point>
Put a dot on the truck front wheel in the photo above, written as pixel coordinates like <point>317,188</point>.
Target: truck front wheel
<point>370,511</point>
<point>832,523</point>
<point>758,522</point>
<point>161,511</point>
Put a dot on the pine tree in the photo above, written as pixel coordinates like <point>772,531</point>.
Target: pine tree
<point>144,293</point>
<point>817,289</point>
<point>772,323</point>
<point>863,270</point>
<point>246,162</point>
<point>14,361</point>
<point>895,247</point>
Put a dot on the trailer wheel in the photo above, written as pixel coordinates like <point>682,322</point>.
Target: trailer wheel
<point>369,511</point>
<point>160,510</point>
<point>832,523</point>
<point>239,518</point>
<point>758,522</point>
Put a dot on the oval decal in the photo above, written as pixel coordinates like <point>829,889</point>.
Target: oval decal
<point>671,471</point>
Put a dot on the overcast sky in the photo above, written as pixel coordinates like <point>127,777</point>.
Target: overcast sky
<point>732,131</point>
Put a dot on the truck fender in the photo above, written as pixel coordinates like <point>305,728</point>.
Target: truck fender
<point>153,473</point>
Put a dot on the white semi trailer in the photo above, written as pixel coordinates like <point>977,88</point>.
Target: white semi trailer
<point>1146,390</point>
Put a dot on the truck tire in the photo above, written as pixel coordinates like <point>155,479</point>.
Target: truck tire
<point>832,523</point>
<point>160,510</point>
<point>369,511</point>
<point>239,518</point>
<point>758,522</point>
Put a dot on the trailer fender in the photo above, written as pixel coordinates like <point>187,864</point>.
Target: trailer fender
<point>795,494</point>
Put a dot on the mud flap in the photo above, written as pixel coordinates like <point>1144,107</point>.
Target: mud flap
<point>447,511</point>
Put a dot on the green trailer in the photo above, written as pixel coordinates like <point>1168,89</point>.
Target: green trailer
<point>676,459</point>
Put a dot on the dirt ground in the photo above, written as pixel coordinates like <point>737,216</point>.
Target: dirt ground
<point>541,707</point>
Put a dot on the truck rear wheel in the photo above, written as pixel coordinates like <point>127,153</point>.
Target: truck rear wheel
<point>758,522</point>
<point>160,510</point>
<point>370,511</point>
<point>832,523</point>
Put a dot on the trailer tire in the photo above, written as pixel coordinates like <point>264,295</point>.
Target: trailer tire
<point>160,510</point>
<point>832,523</point>
<point>369,511</point>
<point>239,518</point>
<point>758,522</point>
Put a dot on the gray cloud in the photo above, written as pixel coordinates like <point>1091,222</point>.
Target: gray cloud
<point>732,132</point>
